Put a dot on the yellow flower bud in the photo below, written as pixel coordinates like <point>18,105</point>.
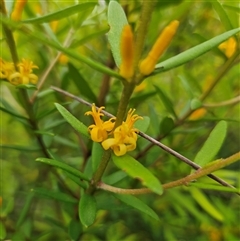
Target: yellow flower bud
<point>147,66</point>
<point>127,52</point>
<point>198,114</point>
<point>229,47</point>
<point>18,8</point>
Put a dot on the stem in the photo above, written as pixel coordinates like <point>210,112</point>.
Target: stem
<point>183,181</point>
<point>98,174</point>
<point>147,9</point>
<point>149,138</point>
<point>123,104</point>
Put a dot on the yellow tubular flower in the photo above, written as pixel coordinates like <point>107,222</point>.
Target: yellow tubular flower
<point>25,75</point>
<point>6,69</point>
<point>99,130</point>
<point>124,136</point>
<point>127,52</point>
<point>147,65</point>
<point>18,9</point>
<point>229,47</point>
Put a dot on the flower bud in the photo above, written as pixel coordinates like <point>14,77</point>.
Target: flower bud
<point>18,8</point>
<point>127,52</point>
<point>147,65</point>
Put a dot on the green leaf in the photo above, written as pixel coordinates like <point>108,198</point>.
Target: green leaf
<point>27,86</point>
<point>142,125</point>
<point>24,210</point>
<point>81,83</point>
<point>97,152</point>
<point>212,145</point>
<point>116,20</point>
<point>137,203</point>
<point>74,230</point>
<point>21,148</point>
<point>63,197</point>
<point>64,167</point>
<point>233,8</point>
<point>136,170</point>
<point>195,52</point>
<point>166,125</point>
<point>87,209</point>
<point>3,232</point>
<point>166,101</point>
<point>76,180</point>
<point>215,187</point>
<point>114,177</point>
<point>203,201</point>
<point>13,113</point>
<point>64,13</point>
<point>73,121</point>
<point>222,14</point>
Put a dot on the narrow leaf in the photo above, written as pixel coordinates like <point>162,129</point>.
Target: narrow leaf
<point>24,210</point>
<point>87,209</point>
<point>136,170</point>
<point>222,14</point>
<point>64,167</point>
<point>203,201</point>
<point>212,145</point>
<point>215,187</point>
<point>54,195</point>
<point>64,13</point>
<point>166,101</point>
<point>116,20</point>
<point>12,113</point>
<point>142,125</point>
<point>138,204</point>
<point>73,121</point>
<point>166,125</point>
<point>97,152</point>
<point>81,83</point>
<point>194,52</point>
<point>20,148</point>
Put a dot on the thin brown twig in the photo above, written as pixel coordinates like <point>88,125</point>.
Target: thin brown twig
<point>149,138</point>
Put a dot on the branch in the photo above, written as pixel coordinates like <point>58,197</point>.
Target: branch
<point>183,181</point>
<point>149,138</point>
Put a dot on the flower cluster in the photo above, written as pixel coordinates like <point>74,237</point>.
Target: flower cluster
<point>24,74</point>
<point>123,138</point>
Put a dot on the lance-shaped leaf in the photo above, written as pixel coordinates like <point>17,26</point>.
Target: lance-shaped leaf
<point>72,120</point>
<point>64,167</point>
<point>87,209</point>
<point>136,170</point>
<point>81,83</point>
<point>212,145</point>
<point>166,101</point>
<point>60,196</point>
<point>142,124</point>
<point>116,20</point>
<point>194,52</point>
<point>64,13</point>
<point>137,203</point>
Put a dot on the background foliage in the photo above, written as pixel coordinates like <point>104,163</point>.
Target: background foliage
<point>40,202</point>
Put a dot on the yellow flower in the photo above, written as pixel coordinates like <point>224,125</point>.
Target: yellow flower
<point>18,9</point>
<point>25,75</point>
<point>99,131</point>
<point>228,47</point>
<point>6,69</point>
<point>127,52</point>
<point>124,136</point>
<point>147,65</point>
